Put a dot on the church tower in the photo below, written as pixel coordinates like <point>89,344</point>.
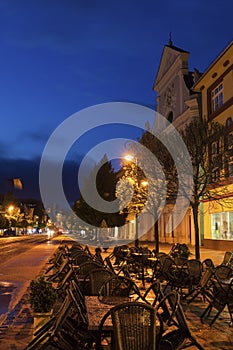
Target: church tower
<point>173,84</point>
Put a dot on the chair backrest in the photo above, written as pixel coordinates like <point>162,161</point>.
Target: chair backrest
<point>118,286</point>
<point>166,267</point>
<point>180,320</point>
<point>134,326</point>
<point>63,313</point>
<point>167,263</point>
<point>194,269</point>
<point>78,314</point>
<point>226,258</point>
<point>80,258</point>
<point>94,279</point>
<point>205,278</point>
<point>167,307</point>
<point>207,263</point>
<point>154,293</point>
<point>87,267</point>
<point>108,263</point>
<point>223,272</point>
<point>180,261</point>
<point>77,294</point>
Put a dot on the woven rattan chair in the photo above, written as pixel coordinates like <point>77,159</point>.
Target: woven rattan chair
<point>223,272</point>
<point>226,258</point>
<point>206,264</point>
<point>154,294</point>
<point>167,307</point>
<point>94,280</point>
<point>180,337</point>
<point>219,298</point>
<point>60,333</point>
<point>87,267</point>
<point>202,288</point>
<point>134,327</point>
<point>118,286</point>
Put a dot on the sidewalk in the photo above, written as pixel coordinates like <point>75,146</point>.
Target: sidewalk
<point>17,328</point>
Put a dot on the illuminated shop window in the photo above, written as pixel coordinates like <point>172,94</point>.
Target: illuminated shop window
<point>222,225</point>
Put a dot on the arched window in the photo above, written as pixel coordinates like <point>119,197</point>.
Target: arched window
<point>170,117</point>
<point>229,121</point>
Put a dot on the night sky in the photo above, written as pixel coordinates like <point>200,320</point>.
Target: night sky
<point>60,56</point>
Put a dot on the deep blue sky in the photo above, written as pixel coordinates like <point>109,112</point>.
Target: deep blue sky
<point>59,56</point>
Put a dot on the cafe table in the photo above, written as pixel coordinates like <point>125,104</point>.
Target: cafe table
<point>96,309</point>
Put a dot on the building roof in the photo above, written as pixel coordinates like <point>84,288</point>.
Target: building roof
<point>213,63</point>
<point>166,48</point>
<point>176,48</point>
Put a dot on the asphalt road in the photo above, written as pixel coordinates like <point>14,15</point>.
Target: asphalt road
<point>21,259</point>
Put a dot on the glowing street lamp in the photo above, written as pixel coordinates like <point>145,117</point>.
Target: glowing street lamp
<point>10,209</point>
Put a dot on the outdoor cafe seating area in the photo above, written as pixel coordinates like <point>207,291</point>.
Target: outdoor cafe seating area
<point>133,298</point>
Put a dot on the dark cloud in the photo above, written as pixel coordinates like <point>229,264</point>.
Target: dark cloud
<point>28,172</point>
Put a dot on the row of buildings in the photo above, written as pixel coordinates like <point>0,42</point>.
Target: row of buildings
<point>181,96</point>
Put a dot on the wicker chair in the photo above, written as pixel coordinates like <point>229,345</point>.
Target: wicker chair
<point>226,258</point>
<point>87,267</point>
<point>134,327</point>
<point>94,280</point>
<point>118,286</point>
<point>154,294</point>
<point>180,336</point>
<point>202,288</point>
<point>206,264</point>
<point>167,307</point>
<point>219,298</point>
<point>223,272</point>
<point>62,331</point>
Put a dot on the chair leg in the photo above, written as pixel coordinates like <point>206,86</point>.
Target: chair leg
<point>216,316</point>
<point>207,310</point>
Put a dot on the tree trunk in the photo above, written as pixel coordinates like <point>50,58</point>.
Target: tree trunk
<point>196,230</point>
<point>136,233</point>
<point>156,236</point>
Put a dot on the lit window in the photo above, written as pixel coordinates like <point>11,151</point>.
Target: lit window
<point>215,160</point>
<point>229,121</point>
<point>217,97</point>
<point>222,225</point>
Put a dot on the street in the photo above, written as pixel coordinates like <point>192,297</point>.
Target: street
<point>22,258</point>
<point>10,246</point>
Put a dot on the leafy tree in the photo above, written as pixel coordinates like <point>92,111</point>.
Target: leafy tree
<point>4,223</point>
<point>142,181</point>
<point>105,184</point>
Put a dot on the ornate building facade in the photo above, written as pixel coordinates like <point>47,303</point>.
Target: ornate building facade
<point>177,102</point>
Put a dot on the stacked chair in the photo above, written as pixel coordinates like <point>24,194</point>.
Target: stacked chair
<point>152,319</point>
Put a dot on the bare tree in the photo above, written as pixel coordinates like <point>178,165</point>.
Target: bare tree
<point>199,136</point>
